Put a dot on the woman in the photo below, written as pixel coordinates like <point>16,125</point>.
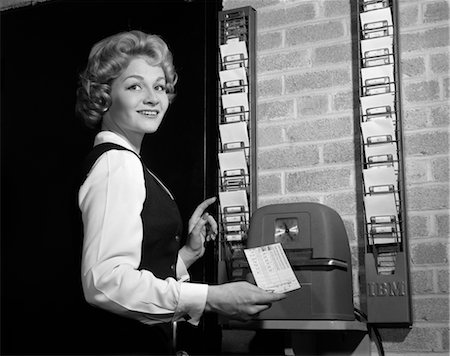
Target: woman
<point>132,264</point>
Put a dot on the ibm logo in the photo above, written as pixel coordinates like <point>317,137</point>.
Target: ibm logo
<point>386,289</point>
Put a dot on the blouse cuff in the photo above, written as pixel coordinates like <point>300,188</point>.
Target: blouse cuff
<point>192,301</point>
<point>182,272</point>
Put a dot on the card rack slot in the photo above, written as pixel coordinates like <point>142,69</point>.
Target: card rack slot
<point>237,137</point>
<point>382,173</point>
<point>232,114</point>
<point>235,179</point>
<point>234,223</point>
<point>234,25</point>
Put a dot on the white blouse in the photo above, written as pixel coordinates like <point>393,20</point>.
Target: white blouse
<point>111,200</point>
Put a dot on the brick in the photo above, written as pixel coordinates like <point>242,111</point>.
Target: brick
<point>343,202</point>
<point>422,282</point>
<point>333,54</point>
<point>432,38</point>
<point>343,101</point>
<point>412,67</point>
<point>429,253</point>
<point>417,339</point>
<point>416,118</point>
<point>426,144</point>
<point>355,254</point>
<point>427,197</point>
<point>422,91</point>
<point>416,171</point>
<point>431,309</point>
<point>269,87</point>
<point>440,169</point>
<point>312,105</point>
<point>271,18</point>
<point>440,116</point>
<point>318,180</point>
<point>350,229</point>
<point>408,15</point>
<point>418,226</point>
<point>269,136</point>
<point>339,152</point>
<point>442,228</point>
<point>443,281</point>
<point>314,33</point>
<point>269,184</point>
<point>270,40</point>
<point>285,16</point>
<point>317,80</point>
<point>321,129</point>
<point>275,110</point>
<point>301,13</point>
<point>337,8</point>
<point>439,63</point>
<point>284,61</point>
<point>288,157</point>
<point>435,11</point>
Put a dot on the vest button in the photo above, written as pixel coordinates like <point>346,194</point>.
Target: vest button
<point>172,267</point>
<point>177,238</point>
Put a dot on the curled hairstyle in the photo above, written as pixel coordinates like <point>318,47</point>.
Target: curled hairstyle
<point>108,59</point>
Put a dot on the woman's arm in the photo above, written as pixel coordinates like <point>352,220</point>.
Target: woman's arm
<point>111,201</point>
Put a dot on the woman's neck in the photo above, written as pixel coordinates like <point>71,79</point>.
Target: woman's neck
<point>134,139</point>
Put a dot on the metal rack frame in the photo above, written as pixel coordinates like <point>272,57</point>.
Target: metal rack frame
<point>237,25</point>
<point>386,251</point>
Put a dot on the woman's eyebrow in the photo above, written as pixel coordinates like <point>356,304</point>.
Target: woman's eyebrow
<point>137,76</point>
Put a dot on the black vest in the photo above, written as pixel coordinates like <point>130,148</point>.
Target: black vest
<point>162,227</point>
<point>161,220</point>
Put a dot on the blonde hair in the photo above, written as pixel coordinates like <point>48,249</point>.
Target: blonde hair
<point>108,59</point>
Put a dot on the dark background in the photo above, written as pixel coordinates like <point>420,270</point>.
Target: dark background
<point>43,49</point>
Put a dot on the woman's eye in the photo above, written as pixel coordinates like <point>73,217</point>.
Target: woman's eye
<point>134,87</point>
<point>160,88</point>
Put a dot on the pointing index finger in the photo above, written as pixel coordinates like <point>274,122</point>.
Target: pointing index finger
<point>203,206</point>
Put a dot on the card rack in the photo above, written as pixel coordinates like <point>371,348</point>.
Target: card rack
<point>237,138</point>
<point>383,196</point>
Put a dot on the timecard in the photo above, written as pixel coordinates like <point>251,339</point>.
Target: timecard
<point>271,268</point>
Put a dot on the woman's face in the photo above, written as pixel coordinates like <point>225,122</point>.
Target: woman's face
<point>139,99</point>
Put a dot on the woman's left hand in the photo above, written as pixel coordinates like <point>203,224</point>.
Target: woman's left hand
<point>202,228</point>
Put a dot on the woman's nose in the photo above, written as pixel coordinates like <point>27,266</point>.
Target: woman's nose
<point>151,97</point>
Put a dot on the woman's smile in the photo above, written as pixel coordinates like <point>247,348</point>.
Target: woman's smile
<point>151,114</point>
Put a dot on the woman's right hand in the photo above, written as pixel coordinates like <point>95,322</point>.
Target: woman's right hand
<point>239,300</point>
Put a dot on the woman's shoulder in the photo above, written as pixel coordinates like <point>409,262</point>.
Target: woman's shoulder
<point>114,171</point>
<point>111,149</point>
<point>114,159</point>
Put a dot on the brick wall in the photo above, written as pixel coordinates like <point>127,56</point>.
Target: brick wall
<point>305,138</point>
